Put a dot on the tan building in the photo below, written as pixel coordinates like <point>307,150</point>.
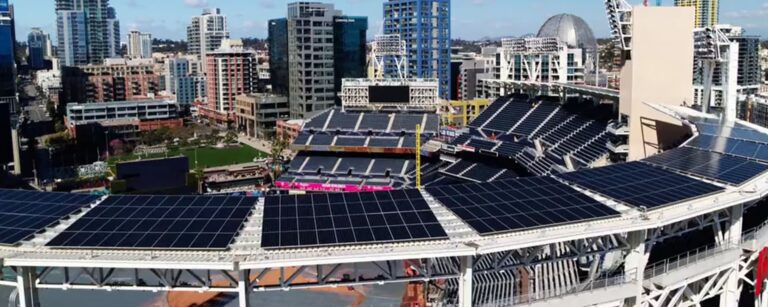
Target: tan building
<point>671,53</point>
<point>707,11</point>
<point>115,80</point>
<point>257,114</point>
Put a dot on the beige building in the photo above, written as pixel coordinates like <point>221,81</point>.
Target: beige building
<point>662,45</point>
<point>257,114</point>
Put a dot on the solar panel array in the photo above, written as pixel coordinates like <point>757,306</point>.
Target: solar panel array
<point>348,218</point>
<point>159,222</point>
<point>640,185</point>
<point>717,166</point>
<point>24,213</point>
<point>738,131</point>
<point>741,148</point>
<point>519,204</point>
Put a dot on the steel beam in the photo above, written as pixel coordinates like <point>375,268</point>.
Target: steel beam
<point>26,278</point>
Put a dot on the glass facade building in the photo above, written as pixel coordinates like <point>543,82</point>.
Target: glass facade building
<point>349,35</point>
<point>425,26</point>
<point>7,51</point>
<point>73,41</point>
<point>278,55</point>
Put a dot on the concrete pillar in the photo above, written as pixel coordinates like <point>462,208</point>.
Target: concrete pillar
<point>730,83</point>
<point>26,279</point>
<point>244,288</point>
<point>465,281</point>
<point>732,237</point>
<point>16,151</point>
<point>634,264</point>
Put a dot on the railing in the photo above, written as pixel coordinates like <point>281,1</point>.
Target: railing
<point>687,258</point>
<point>596,285</point>
<point>754,233</point>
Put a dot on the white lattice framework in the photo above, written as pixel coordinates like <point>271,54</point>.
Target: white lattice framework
<point>423,94</point>
<point>389,47</point>
<point>712,48</point>
<point>533,52</point>
<point>619,14</point>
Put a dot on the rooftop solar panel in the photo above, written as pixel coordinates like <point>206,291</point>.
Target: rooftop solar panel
<point>640,185</point>
<point>348,218</point>
<point>519,204</point>
<point>159,222</point>
<point>739,131</point>
<point>717,166</point>
<point>24,213</point>
<point>741,148</point>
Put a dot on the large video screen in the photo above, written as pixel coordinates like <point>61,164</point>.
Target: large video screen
<point>389,94</point>
<point>154,174</point>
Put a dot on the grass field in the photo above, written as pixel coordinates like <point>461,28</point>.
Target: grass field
<point>206,156</point>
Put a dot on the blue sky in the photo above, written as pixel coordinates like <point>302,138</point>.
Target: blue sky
<point>471,19</point>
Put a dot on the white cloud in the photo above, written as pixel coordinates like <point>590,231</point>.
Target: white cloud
<point>196,3</point>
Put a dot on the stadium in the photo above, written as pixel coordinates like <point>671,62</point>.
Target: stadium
<point>539,201</point>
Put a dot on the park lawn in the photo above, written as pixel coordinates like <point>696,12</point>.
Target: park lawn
<point>207,157</point>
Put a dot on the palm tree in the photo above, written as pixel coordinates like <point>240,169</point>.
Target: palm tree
<point>279,144</point>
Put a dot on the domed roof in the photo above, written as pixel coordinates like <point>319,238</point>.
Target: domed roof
<point>571,30</point>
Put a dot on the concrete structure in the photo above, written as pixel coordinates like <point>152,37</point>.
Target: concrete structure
<point>230,71</point>
<point>425,25</point>
<point>641,83</point>
<point>124,118</point>
<point>115,80</point>
<point>707,11</point>
<point>257,114</point>
<point>473,68</point>
<point>206,32</point>
<point>73,42</point>
<point>746,62</point>
<point>289,129</point>
<point>49,81</point>
<point>139,45</point>
<point>99,23</point>
<point>39,49</point>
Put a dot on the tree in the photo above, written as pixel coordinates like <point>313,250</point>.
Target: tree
<point>279,144</point>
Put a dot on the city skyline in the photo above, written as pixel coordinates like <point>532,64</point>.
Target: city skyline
<point>169,19</point>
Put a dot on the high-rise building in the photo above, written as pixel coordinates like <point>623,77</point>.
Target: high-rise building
<point>230,71</point>
<point>73,41</point>
<point>278,55</point>
<point>322,47</point>
<point>115,80</point>
<point>7,51</point>
<point>205,32</point>
<point>39,48</point>
<point>184,80</point>
<point>350,50</point>
<point>425,26</point>
<point>113,33</point>
<point>139,44</point>
<point>100,24</point>
<point>707,11</point>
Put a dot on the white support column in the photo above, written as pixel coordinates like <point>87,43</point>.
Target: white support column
<point>26,278</point>
<point>732,237</point>
<point>634,264</point>
<point>730,83</point>
<point>244,288</point>
<point>465,281</point>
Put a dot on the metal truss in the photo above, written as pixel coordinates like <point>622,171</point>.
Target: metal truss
<point>138,279</point>
<point>619,14</point>
<point>677,229</point>
<point>389,49</point>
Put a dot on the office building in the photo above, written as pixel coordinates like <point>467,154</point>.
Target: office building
<point>230,71</point>
<point>707,11</point>
<point>350,52</point>
<point>125,119</point>
<point>73,41</point>
<point>473,67</point>
<point>139,45</point>
<point>7,51</point>
<point>184,80</point>
<point>425,25</point>
<point>206,32</point>
<point>39,49</point>
<point>258,113</point>
<point>115,80</point>
<point>311,51</point>
<point>278,55</point>
<point>99,24</point>
<point>749,71</point>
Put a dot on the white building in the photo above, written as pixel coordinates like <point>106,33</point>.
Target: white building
<point>205,32</point>
<point>139,44</point>
<point>474,67</point>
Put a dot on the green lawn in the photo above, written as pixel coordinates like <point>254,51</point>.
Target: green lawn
<point>206,156</point>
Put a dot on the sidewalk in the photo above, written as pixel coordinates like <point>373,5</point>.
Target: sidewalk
<point>261,145</point>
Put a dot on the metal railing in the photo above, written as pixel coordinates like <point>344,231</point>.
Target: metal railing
<point>596,285</point>
<point>688,258</point>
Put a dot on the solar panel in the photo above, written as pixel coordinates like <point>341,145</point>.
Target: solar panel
<point>741,148</point>
<point>24,213</point>
<point>640,185</point>
<point>159,222</point>
<point>739,131</point>
<point>519,204</point>
<point>717,166</point>
<point>348,218</point>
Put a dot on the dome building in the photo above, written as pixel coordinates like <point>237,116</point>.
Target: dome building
<point>574,32</point>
